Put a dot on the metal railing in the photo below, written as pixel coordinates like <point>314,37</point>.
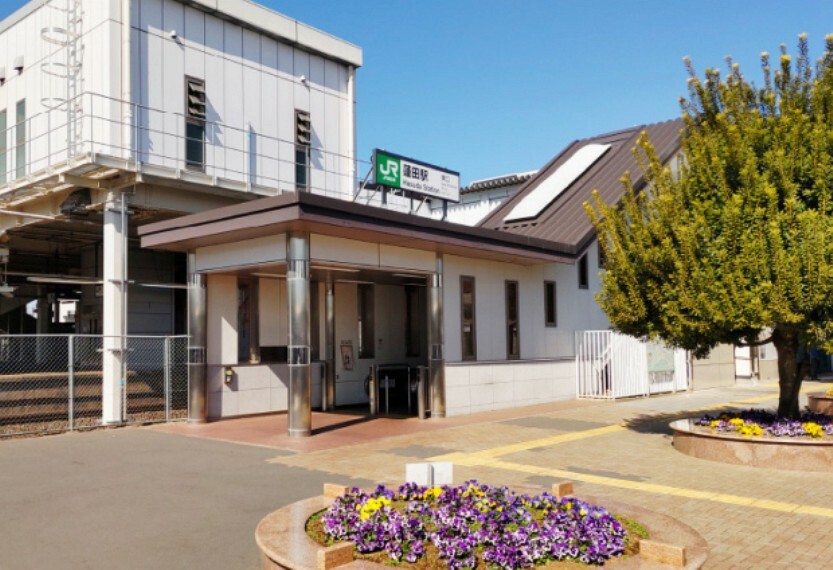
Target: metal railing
<point>54,383</point>
<point>610,365</point>
<point>156,141</point>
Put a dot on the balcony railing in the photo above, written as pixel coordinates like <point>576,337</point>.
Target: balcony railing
<point>94,127</point>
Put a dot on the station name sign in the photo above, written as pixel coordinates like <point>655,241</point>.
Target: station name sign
<point>396,171</point>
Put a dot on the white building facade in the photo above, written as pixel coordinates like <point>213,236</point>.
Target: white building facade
<point>115,113</point>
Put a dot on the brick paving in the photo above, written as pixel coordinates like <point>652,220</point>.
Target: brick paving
<point>740,536</point>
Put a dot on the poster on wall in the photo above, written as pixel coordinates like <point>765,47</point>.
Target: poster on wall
<point>347,355</point>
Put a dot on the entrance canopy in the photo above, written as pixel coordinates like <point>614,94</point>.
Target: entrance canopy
<point>323,216</point>
<point>305,240</point>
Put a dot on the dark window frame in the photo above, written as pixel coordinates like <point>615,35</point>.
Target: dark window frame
<point>583,272</point>
<point>472,323</point>
<point>550,304</point>
<point>248,318</point>
<point>303,144</point>
<point>194,121</point>
<point>512,324</point>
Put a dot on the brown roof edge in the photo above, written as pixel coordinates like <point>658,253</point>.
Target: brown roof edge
<point>344,213</point>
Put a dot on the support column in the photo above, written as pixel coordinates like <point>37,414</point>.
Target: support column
<point>436,363</point>
<point>42,346</point>
<point>114,310</point>
<point>197,405</point>
<point>329,398</point>
<point>298,300</point>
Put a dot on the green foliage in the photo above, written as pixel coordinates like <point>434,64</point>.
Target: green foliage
<point>740,240</point>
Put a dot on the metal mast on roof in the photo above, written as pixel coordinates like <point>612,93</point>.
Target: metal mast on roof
<point>64,63</point>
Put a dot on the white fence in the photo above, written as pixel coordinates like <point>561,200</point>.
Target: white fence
<point>610,365</point>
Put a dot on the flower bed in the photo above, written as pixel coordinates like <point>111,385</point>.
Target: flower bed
<point>761,423</point>
<point>821,402</point>
<point>473,526</point>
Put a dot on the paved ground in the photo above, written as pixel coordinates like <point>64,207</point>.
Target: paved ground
<point>148,498</point>
<point>134,498</point>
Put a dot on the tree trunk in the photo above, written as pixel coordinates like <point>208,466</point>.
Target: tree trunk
<point>785,340</point>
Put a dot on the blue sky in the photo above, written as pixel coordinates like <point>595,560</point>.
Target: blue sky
<point>489,87</point>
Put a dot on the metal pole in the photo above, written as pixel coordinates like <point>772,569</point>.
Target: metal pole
<point>371,392</point>
<point>167,364</point>
<point>435,341</point>
<point>387,395</point>
<point>197,406</point>
<point>421,384</point>
<point>71,380</point>
<point>329,398</point>
<point>298,298</point>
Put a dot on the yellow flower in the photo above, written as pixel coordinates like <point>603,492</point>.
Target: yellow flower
<point>736,422</point>
<point>813,429</point>
<point>750,430</point>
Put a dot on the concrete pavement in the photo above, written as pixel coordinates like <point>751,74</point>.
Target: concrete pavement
<point>151,498</point>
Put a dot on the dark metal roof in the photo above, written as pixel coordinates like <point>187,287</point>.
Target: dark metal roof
<point>564,220</point>
<point>497,182</point>
<point>331,216</point>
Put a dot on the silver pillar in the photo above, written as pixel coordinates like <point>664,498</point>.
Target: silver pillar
<point>329,397</point>
<point>298,297</point>
<point>114,308</point>
<point>197,406</point>
<point>436,363</point>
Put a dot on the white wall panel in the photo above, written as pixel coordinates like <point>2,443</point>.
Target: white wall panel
<point>252,143</point>
<point>269,249</point>
<point>173,16</point>
<point>173,84</point>
<point>215,134</point>
<point>150,18</point>
<point>251,49</point>
<point>221,320</point>
<point>327,248</point>
<point>194,36</point>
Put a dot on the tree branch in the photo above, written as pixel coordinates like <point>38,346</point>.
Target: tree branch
<point>756,343</point>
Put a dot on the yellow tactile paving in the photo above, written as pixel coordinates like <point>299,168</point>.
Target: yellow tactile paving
<point>578,435</point>
<point>490,458</point>
<point>659,489</point>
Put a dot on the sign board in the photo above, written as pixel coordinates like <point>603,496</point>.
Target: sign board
<point>396,171</point>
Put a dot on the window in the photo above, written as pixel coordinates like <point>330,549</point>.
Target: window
<point>195,106</point>
<point>3,148</point>
<point>583,274</point>
<point>366,320</point>
<point>513,334</point>
<point>550,313</point>
<point>303,140</point>
<point>467,318</point>
<point>412,322</point>
<point>248,342</point>
<point>602,258</point>
<point>20,139</point>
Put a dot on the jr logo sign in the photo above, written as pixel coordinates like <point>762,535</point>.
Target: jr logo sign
<point>388,170</point>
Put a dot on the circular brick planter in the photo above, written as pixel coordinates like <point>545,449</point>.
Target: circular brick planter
<point>284,543</point>
<point>792,454</point>
<point>820,403</point>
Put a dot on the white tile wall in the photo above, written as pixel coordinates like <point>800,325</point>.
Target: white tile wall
<point>483,387</point>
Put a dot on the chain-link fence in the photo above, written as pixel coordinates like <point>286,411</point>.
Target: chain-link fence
<point>52,383</point>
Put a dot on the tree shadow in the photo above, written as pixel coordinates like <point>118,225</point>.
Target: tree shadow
<point>659,423</point>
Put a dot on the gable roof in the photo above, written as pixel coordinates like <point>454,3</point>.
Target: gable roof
<point>564,220</point>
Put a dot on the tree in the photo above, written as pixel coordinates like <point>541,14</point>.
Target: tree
<point>737,246</point>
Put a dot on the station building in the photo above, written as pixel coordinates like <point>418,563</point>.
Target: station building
<point>189,167</point>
